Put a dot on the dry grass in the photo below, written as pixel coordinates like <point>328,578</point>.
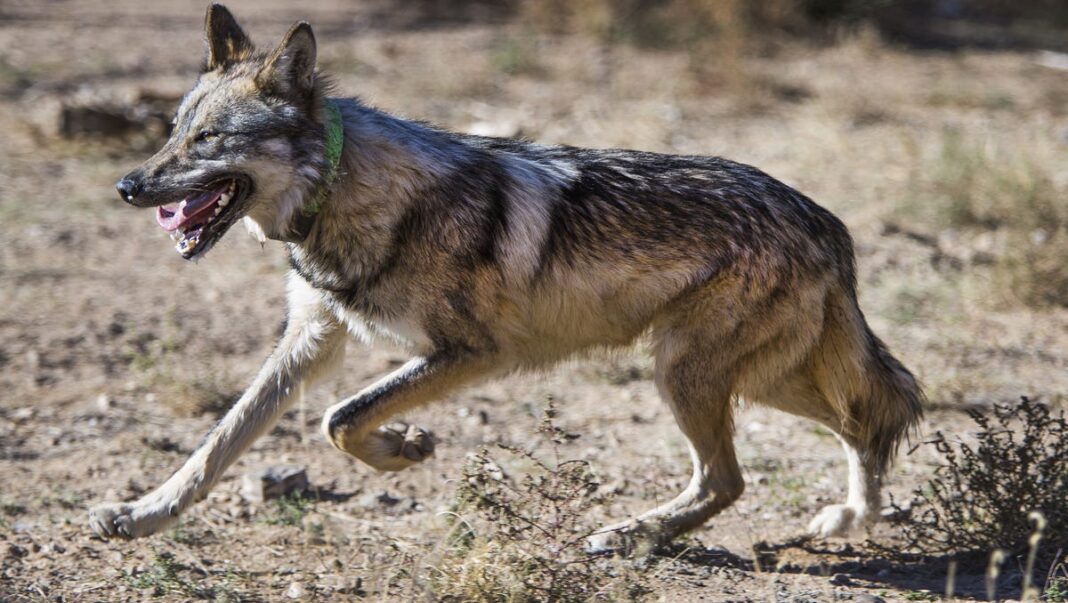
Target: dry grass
<point>715,35</point>
<point>523,539</point>
<point>1008,208</point>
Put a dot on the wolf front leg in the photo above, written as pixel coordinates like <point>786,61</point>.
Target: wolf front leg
<point>353,425</point>
<point>312,345</point>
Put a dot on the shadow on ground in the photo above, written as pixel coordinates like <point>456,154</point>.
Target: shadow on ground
<point>868,566</point>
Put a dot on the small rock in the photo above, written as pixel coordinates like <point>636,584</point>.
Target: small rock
<point>16,551</point>
<point>866,598</point>
<point>295,590</point>
<point>899,513</point>
<point>336,583</point>
<point>372,500</point>
<point>161,443</point>
<point>274,482</point>
<point>841,580</point>
<point>104,403</point>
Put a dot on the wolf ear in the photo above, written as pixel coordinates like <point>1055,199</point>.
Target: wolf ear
<point>290,70</point>
<point>227,42</point>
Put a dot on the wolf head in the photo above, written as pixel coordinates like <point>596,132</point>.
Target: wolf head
<point>248,141</point>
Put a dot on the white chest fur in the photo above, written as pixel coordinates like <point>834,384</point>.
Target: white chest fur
<point>402,329</point>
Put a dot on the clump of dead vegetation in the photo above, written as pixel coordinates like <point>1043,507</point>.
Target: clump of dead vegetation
<point>1005,496</point>
<point>680,23</point>
<point>717,36</point>
<point>524,539</point>
<point>1009,208</point>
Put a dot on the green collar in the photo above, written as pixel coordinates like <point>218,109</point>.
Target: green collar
<point>335,140</point>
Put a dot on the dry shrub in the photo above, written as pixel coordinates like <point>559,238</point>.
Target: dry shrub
<point>981,188</point>
<point>1011,200</point>
<point>982,497</point>
<point>524,540</point>
<point>716,34</point>
<point>678,23</point>
<point>1035,268</point>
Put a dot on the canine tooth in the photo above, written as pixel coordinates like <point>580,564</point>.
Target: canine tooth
<point>223,200</point>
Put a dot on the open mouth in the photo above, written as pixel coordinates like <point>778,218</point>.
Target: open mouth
<point>199,220</point>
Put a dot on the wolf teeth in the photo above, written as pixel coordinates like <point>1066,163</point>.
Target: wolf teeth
<point>184,245</point>
<point>223,200</point>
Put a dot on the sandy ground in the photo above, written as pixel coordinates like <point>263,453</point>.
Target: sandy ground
<point>116,356</point>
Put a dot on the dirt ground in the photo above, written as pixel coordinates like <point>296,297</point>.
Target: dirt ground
<point>116,356</point>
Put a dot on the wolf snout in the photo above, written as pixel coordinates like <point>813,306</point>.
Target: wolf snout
<point>130,187</point>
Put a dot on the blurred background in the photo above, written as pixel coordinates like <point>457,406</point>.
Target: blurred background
<point>936,129</point>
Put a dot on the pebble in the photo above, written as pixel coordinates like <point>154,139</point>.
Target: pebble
<point>372,500</point>
<point>16,551</point>
<point>295,590</point>
<point>273,482</point>
<point>841,580</point>
<point>104,403</point>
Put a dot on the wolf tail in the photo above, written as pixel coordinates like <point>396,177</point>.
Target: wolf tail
<point>894,407</point>
<point>879,400</point>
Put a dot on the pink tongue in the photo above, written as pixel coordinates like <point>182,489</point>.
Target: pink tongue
<point>188,209</point>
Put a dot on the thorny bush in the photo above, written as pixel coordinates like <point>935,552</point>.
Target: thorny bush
<point>981,496</point>
<point>524,540</point>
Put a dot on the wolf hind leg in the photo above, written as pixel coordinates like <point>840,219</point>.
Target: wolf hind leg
<point>799,394</point>
<point>862,501</point>
<point>698,393</point>
<point>851,384</point>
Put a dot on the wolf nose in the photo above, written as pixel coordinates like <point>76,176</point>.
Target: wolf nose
<point>128,189</point>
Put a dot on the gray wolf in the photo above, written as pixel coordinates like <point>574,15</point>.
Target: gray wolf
<point>488,256</point>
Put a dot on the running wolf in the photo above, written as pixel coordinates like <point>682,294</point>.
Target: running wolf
<point>488,256</point>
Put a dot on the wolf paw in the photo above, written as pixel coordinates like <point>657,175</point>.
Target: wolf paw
<point>393,447</point>
<point>627,539</point>
<point>615,542</point>
<point>837,521</point>
<point>129,520</point>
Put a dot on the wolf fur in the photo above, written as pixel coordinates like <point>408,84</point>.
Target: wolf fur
<point>488,256</point>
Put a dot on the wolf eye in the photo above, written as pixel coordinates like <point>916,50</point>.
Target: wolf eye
<point>205,135</point>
